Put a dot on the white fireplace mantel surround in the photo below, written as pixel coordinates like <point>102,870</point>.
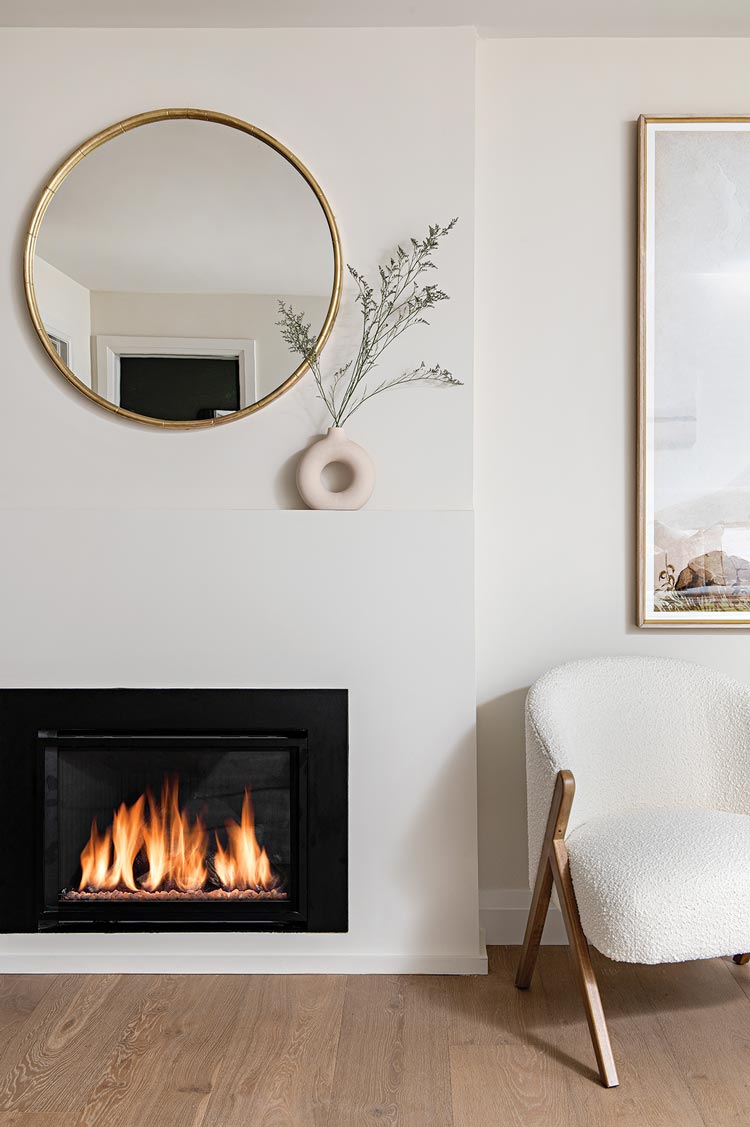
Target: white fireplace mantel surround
<point>378,603</point>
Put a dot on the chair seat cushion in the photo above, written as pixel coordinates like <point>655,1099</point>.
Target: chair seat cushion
<point>663,886</point>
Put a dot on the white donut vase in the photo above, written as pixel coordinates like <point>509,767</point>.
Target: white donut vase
<point>335,447</point>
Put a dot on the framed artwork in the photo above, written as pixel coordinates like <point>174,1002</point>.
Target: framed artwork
<point>694,372</point>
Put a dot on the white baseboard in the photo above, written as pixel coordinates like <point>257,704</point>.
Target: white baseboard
<point>154,954</point>
<point>503,913</point>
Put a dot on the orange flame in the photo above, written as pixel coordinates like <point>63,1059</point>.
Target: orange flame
<point>95,857</point>
<point>174,850</point>
<point>244,864</point>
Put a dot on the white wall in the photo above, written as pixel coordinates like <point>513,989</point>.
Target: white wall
<point>555,499</point>
<point>65,306</point>
<point>232,316</point>
<point>387,176</point>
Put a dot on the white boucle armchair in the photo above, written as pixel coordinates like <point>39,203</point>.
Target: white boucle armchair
<point>651,863</point>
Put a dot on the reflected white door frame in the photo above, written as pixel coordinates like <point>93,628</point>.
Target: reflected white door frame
<point>107,351</point>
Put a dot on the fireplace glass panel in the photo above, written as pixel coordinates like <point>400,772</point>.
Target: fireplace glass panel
<point>158,825</point>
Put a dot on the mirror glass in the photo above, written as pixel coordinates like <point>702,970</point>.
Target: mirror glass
<point>160,260</point>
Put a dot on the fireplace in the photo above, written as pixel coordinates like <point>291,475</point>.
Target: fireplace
<point>183,828</point>
<point>177,809</point>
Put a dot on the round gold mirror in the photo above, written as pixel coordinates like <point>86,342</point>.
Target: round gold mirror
<point>157,257</point>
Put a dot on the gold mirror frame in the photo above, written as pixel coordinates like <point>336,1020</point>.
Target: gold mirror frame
<point>100,139</point>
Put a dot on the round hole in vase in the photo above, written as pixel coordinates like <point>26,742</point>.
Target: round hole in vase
<point>337,476</point>
<point>335,448</point>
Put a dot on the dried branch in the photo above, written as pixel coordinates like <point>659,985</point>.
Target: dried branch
<point>400,303</point>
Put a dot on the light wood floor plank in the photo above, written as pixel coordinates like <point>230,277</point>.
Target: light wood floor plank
<point>392,1065</point>
<point>518,1073</point>
<point>425,1093</point>
<point>20,994</point>
<point>508,1085</point>
<point>38,1119</point>
<point>490,1010</point>
<point>164,1064</point>
<point>55,1055</point>
<point>370,1059</point>
<point>705,1019</point>
<point>279,1068</point>
<point>31,1013</point>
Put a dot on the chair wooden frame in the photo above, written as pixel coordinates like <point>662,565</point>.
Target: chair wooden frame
<point>554,868</point>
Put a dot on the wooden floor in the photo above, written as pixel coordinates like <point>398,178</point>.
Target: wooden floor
<point>353,1051</point>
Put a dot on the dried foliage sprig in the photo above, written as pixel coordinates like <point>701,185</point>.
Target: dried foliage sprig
<point>400,303</point>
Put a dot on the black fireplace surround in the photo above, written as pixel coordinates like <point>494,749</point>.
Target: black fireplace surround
<point>215,768</point>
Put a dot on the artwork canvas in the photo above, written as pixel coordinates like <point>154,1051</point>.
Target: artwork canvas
<point>694,372</point>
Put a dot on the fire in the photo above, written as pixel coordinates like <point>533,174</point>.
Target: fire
<point>244,864</point>
<point>175,850</point>
<point>155,848</point>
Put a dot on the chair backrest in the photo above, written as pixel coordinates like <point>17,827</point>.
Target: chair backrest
<point>636,732</point>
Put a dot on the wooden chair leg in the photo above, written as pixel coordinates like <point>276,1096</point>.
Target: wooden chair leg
<point>581,954</point>
<point>554,867</point>
<point>741,960</point>
<point>557,822</point>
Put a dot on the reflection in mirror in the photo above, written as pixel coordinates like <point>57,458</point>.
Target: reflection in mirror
<point>160,261</point>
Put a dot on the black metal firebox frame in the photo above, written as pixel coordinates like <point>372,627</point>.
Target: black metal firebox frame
<point>313,724</point>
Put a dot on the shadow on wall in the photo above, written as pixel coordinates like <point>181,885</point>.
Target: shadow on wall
<point>503,849</point>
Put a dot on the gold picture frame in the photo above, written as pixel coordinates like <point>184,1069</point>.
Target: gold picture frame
<point>95,142</point>
<point>688,593</point>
